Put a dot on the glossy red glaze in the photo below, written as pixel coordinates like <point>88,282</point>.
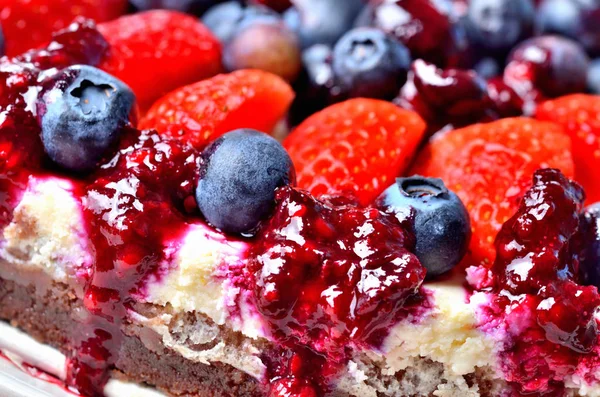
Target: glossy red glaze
<point>327,277</point>
<point>538,303</point>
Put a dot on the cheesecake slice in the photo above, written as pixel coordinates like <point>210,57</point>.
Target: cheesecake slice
<point>119,269</point>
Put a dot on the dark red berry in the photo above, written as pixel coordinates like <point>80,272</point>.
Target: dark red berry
<point>547,66</point>
<point>450,97</point>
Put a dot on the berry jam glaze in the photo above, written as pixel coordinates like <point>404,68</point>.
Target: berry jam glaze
<point>537,302</point>
<point>21,80</point>
<point>131,205</point>
<point>328,277</point>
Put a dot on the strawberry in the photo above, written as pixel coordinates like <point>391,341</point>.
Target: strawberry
<point>358,146</point>
<point>155,52</point>
<point>490,167</point>
<point>201,112</point>
<point>28,24</point>
<point>579,114</point>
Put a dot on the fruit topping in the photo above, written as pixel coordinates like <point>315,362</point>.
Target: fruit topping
<point>30,24</point>
<point>547,316</point>
<point>489,166</point>
<point>82,111</point>
<point>369,63</point>
<point>154,52</point>
<point>441,222</point>
<point>199,113</point>
<point>316,87</point>
<point>445,98</point>
<point>593,77</point>
<point>327,276</point>
<point>225,19</point>
<point>420,25</point>
<point>21,149</point>
<point>533,247</point>
<point>266,44</point>
<point>132,209</point>
<point>495,26</point>
<point>579,114</point>
<point>590,235</point>
<point>321,21</point>
<point>356,147</point>
<point>239,173</point>
<point>575,19</point>
<point>505,101</point>
<point>547,67</point>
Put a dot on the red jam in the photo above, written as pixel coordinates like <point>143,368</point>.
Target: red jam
<point>538,302</point>
<point>328,277</point>
<point>131,205</point>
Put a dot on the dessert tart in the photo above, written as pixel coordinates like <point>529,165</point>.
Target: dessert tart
<point>425,227</point>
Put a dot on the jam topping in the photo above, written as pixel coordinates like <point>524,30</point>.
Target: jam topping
<point>328,276</point>
<point>21,150</point>
<point>131,209</point>
<point>131,205</point>
<point>538,300</point>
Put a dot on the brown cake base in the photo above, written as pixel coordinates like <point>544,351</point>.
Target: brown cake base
<point>48,319</point>
<point>48,315</point>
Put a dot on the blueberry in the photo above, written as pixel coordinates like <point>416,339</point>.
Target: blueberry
<point>497,25</point>
<point>577,20</point>
<point>82,113</point>
<point>196,7</point>
<point>370,63</point>
<point>225,19</point>
<point>590,233</point>
<point>321,21</point>
<point>238,177</point>
<point>593,77</point>
<point>441,223</point>
<point>264,44</point>
<point>559,17</point>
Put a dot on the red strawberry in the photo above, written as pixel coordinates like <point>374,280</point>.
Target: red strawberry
<point>490,166</point>
<point>28,24</point>
<point>201,112</point>
<point>358,146</point>
<point>579,114</point>
<point>155,52</point>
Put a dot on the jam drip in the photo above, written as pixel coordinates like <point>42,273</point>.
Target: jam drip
<point>132,208</point>
<point>21,79</point>
<point>538,299</point>
<point>329,277</point>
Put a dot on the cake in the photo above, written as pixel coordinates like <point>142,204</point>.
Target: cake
<point>440,245</point>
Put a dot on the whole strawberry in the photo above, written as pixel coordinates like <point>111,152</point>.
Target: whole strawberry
<point>155,52</point>
<point>28,24</point>
<point>201,112</point>
<point>490,166</point>
<point>356,147</point>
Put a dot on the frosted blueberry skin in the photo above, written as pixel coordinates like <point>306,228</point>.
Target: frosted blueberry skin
<point>82,115</point>
<point>239,174</point>
<point>441,222</point>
